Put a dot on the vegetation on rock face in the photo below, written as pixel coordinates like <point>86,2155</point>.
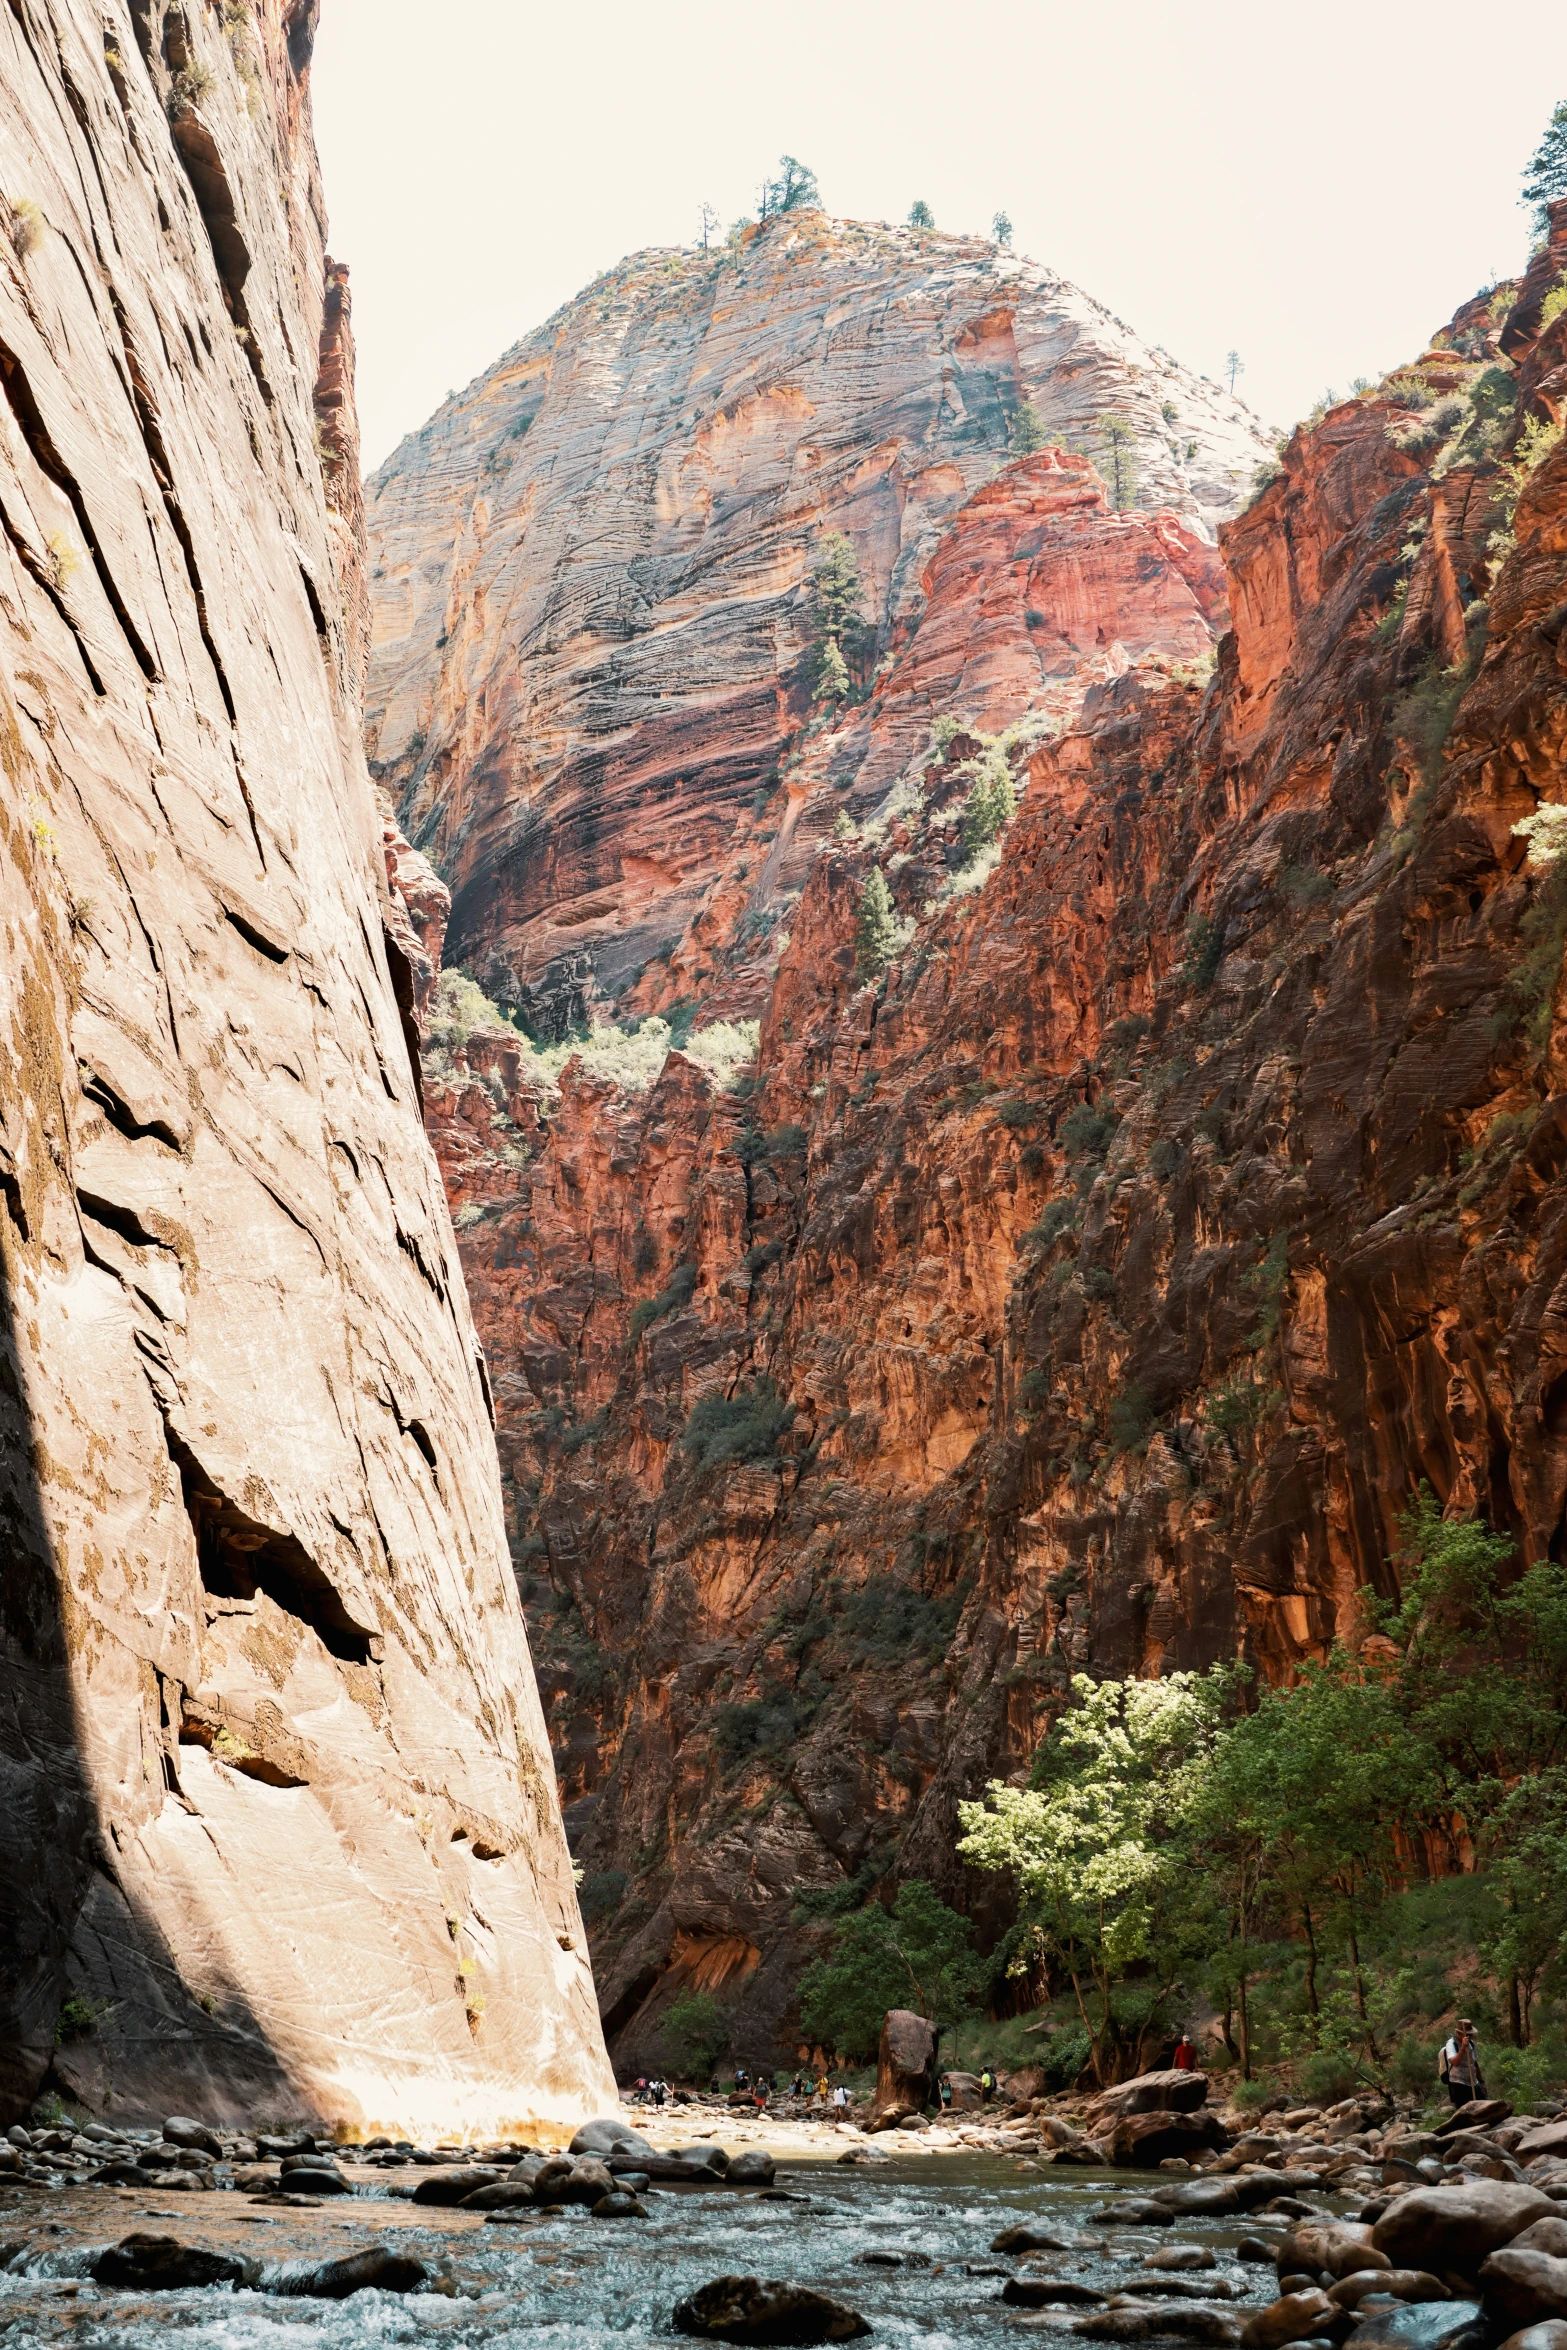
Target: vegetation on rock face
<point>841,632</point>
<point>1545,174</point>
<point>746,1426</point>
<point>1196,1835</point>
<point>876,930</point>
<point>919,1955</point>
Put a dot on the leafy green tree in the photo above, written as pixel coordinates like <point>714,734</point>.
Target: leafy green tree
<point>1545,173</point>
<point>841,632</point>
<point>992,800</point>
<point>920,214</point>
<point>1001,230</point>
<point>876,930</point>
<point>1027,432</point>
<point>1120,442</point>
<point>1097,1844</point>
<point>692,2034</point>
<point>793,190</point>
<point>919,1956</point>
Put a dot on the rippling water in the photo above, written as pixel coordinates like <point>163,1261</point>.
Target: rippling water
<point>565,2278</point>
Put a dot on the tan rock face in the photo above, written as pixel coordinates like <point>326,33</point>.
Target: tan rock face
<point>590,569</point>
<point>277,1811</point>
<point>1093,1289</point>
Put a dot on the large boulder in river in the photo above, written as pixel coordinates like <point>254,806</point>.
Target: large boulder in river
<point>1451,2229</point>
<point>1423,2325</point>
<point>1525,2284</point>
<point>1172,2091</point>
<point>1296,2317</point>
<point>905,2067</point>
<point>607,2134</point>
<point>747,2309</point>
<point>1552,2335</point>
<point>1481,2113</point>
<point>162,2264</point>
<point>1144,2140</point>
<point>457,2182</point>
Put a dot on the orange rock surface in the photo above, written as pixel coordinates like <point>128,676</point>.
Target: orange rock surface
<point>1092,1286</point>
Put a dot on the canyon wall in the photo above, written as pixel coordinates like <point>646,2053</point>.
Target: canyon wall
<point>278,1829</point>
<point>591,575</point>
<point>1089,1288</point>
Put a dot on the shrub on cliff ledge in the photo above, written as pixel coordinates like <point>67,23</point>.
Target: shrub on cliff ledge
<point>746,1426</point>
<point>842,634</point>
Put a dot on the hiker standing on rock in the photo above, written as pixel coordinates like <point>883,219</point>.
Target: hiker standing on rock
<point>1460,2065</point>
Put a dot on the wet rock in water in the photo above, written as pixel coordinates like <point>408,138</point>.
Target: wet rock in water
<point>1294,2317</point>
<point>504,2195</point>
<point>1338,2246</point>
<point>1197,2321</point>
<point>162,2264</point>
<point>885,2257</point>
<point>1403,2284</point>
<point>1423,2325</point>
<point>982,2268</point>
<point>1051,2293</point>
<point>119,2174</point>
<point>456,2185</point>
<point>1178,2256</point>
<point>515,2215</point>
<point>1552,2335</point>
<point>1132,2211</point>
<point>1524,2286</point>
<point>1452,2229</point>
<point>1217,2198</point>
<point>315,2179</point>
<point>1144,2140</point>
<point>376,2268</point>
<point>1253,2248</point>
<point>1028,2235</point>
<point>619,2205</point>
<point>754,2168</point>
<point>586,2181</point>
<point>749,2309</point>
<point>606,2136</point>
<point>178,2131</point>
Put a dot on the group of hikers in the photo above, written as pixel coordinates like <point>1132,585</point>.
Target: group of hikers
<point>758,2087</point>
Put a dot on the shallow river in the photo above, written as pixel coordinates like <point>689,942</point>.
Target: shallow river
<point>564,2278</point>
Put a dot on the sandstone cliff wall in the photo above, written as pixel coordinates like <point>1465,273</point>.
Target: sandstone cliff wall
<point>1092,1289</point>
<point>591,572</point>
<point>276,1807</point>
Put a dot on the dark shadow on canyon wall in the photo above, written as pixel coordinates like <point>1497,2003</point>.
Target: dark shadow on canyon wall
<point>47,1821</point>
<point>92,2003</point>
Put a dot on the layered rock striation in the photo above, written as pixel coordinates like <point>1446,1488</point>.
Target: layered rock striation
<point>591,572</point>
<point>1088,1287</point>
<point>278,1828</point>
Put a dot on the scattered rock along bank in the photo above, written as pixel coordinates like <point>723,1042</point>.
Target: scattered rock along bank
<point>1091,1289</point>
<point>278,1829</point>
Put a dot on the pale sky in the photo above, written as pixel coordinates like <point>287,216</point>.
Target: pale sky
<point>1318,188</point>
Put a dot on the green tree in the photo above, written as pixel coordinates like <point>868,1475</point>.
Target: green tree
<point>1001,230</point>
<point>1545,173</point>
<point>992,800</point>
<point>692,2034</point>
<point>1027,432</point>
<point>1234,365</point>
<point>1120,442</point>
<point>841,633</point>
<point>920,214</point>
<point>1098,1844</point>
<point>919,1956</point>
<point>708,216</point>
<point>793,190</point>
<point>876,930</point>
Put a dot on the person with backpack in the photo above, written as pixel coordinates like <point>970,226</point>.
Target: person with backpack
<point>1460,2065</point>
<point>987,2084</point>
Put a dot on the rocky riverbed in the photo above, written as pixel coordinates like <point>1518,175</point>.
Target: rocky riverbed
<point>928,2246</point>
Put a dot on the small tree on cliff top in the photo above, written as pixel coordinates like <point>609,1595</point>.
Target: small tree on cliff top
<point>1027,432</point>
<point>1545,174</point>
<point>920,214</point>
<point>876,931</point>
<point>1120,460</point>
<point>792,191</point>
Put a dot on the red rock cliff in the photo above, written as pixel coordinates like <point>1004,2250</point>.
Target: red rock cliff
<point>277,1811</point>
<point>1090,1288</point>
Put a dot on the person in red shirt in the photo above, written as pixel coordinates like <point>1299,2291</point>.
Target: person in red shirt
<point>1185,2055</point>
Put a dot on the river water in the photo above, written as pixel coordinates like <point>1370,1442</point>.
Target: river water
<point>565,2281</point>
